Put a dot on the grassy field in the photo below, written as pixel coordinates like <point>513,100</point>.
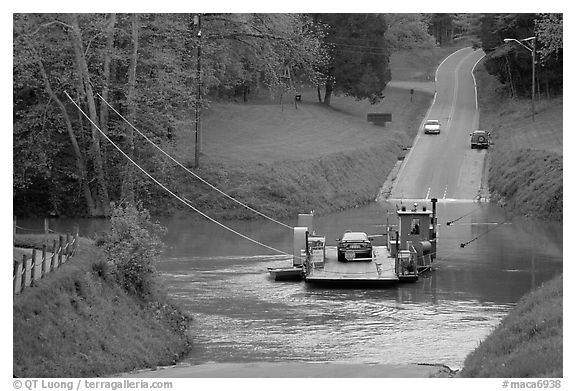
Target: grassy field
<point>528,341</point>
<point>284,160</point>
<point>78,322</point>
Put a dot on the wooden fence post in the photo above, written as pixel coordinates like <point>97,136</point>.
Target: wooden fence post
<point>33,267</point>
<point>67,247</point>
<point>60,250</point>
<point>43,270</point>
<point>23,275</point>
<point>46,226</point>
<point>54,259</point>
<point>17,276</point>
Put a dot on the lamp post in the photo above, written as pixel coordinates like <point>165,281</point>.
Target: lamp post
<point>197,24</point>
<point>531,49</point>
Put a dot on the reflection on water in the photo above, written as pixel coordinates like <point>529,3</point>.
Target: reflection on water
<point>241,315</point>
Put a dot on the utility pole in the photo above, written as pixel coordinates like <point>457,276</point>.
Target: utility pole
<point>197,25</point>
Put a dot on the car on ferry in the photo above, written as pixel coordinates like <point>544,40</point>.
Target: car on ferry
<point>354,246</point>
<point>480,139</point>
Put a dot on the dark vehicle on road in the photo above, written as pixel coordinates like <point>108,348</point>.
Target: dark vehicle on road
<point>354,246</point>
<point>432,126</point>
<point>480,139</point>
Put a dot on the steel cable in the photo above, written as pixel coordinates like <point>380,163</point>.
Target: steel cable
<point>191,172</point>
<point>168,190</point>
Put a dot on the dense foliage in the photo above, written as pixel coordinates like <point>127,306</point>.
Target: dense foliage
<point>145,66</point>
<point>132,247</point>
<point>512,63</point>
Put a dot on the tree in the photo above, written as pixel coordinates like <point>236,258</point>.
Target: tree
<point>512,64</point>
<point>75,35</point>
<point>441,26</point>
<point>128,183</point>
<point>407,31</point>
<point>261,49</point>
<point>359,55</point>
<point>144,67</point>
<point>549,31</point>
<point>39,42</point>
<point>549,37</point>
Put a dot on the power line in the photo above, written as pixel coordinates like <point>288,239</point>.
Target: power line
<point>185,202</point>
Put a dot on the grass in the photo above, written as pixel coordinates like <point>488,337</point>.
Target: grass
<point>526,162</point>
<point>528,341</point>
<point>77,322</point>
<point>283,161</point>
<point>526,173</point>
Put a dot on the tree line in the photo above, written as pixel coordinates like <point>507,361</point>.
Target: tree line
<point>511,63</point>
<point>146,67</point>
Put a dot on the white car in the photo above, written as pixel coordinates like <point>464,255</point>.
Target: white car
<point>432,126</point>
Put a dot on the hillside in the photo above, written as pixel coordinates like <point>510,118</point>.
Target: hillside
<point>283,159</point>
<point>526,162</point>
<point>79,322</point>
<point>526,167</point>
<point>527,343</point>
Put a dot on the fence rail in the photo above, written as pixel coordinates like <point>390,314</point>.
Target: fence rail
<point>30,269</point>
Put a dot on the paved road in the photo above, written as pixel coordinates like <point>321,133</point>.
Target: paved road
<point>444,166</point>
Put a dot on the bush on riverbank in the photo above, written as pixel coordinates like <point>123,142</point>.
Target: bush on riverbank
<point>528,341</point>
<point>83,320</point>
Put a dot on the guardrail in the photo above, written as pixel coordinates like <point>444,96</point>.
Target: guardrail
<point>29,269</point>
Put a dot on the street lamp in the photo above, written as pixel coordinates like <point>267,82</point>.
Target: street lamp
<point>531,49</point>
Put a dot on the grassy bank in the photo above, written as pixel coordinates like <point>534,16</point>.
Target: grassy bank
<point>528,341</point>
<point>79,322</point>
<point>526,163</point>
<point>525,175</point>
<point>285,161</point>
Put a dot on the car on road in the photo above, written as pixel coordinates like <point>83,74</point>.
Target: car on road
<point>480,139</point>
<point>432,126</point>
<point>354,246</point>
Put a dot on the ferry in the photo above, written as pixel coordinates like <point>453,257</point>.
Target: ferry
<point>407,251</point>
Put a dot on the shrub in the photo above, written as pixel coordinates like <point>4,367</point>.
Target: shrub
<point>132,248</point>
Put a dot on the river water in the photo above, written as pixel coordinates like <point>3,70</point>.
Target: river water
<point>241,315</point>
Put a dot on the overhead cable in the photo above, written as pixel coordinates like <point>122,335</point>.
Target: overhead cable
<point>185,202</point>
<point>191,172</point>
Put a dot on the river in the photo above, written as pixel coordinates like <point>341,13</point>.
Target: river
<point>241,315</point>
